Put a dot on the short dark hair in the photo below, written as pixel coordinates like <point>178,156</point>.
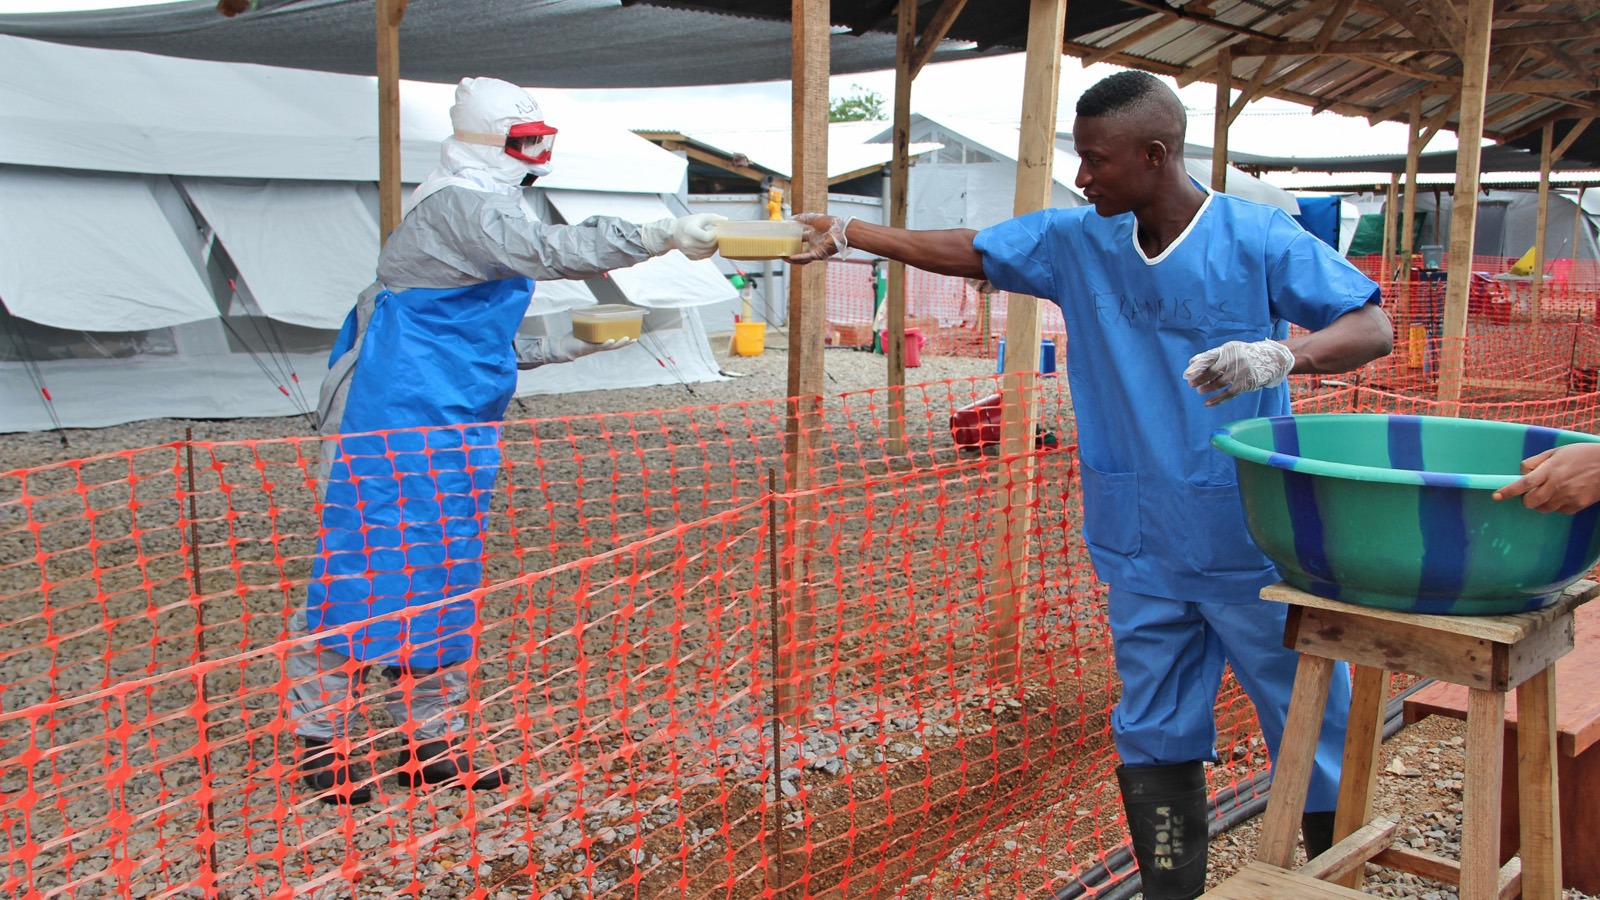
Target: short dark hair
<point>1119,93</point>
<point>1161,114</point>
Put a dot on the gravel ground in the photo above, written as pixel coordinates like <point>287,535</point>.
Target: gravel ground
<point>855,760</point>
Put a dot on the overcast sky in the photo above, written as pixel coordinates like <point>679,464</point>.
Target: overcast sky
<point>985,89</point>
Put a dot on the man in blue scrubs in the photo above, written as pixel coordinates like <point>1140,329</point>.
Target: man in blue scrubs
<point>424,367</point>
<point>1177,303</point>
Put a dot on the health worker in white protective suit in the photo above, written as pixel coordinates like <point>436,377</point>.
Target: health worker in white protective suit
<point>429,354</point>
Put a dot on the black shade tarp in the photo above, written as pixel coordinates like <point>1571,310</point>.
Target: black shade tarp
<point>543,43</point>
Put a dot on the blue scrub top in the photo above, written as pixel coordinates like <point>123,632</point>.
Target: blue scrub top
<point>1162,514</point>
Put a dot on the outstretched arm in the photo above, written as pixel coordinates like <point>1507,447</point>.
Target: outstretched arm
<point>949,252</point>
<point>1349,342</point>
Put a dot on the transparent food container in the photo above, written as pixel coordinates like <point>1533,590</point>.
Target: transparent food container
<point>762,239</point>
<point>607,322</point>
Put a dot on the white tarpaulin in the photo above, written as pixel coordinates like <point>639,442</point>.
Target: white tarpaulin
<point>121,111</point>
<point>667,281</point>
<point>93,252</point>
<point>325,228</point>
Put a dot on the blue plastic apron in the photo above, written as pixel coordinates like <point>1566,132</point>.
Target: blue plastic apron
<point>403,517</point>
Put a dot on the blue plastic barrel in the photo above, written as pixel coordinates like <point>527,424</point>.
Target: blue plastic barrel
<point>1047,357</point>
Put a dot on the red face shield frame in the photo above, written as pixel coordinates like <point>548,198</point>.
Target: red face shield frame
<point>531,142</point>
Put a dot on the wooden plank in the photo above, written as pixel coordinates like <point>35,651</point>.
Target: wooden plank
<point>388,16</point>
<point>1538,804</point>
<point>1578,674</point>
<point>1573,135</point>
<point>1408,225</point>
<point>1257,881</point>
<point>1511,879</point>
<point>1363,744</point>
<point>938,27</point>
<point>1497,629</point>
<point>1418,862</point>
<point>1013,498</point>
<point>807,290</point>
<point>1391,201</point>
<point>899,182</point>
<point>1516,384</point>
<point>1464,218</point>
<point>1350,854</point>
<point>1541,223</point>
<point>1505,37</point>
<point>1480,817</point>
<point>1219,132</point>
<point>1291,771</point>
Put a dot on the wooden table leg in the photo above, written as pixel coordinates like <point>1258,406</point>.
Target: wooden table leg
<point>1537,800</point>
<point>1358,773</point>
<point>1291,771</point>
<point>1480,825</point>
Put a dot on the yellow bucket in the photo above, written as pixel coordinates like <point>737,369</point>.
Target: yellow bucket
<point>749,338</point>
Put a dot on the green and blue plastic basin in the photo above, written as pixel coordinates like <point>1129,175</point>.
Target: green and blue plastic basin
<point>1396,512</point>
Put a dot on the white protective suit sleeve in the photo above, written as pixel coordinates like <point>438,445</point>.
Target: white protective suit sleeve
<point>533,352</point>
<point>458,237</point>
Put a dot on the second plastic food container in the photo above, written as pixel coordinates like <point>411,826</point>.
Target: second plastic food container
<point>607,322</point>
<point>762,239</point>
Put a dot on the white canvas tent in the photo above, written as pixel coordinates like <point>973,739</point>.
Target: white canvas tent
<point>184,238</point>
<point>969,182</point>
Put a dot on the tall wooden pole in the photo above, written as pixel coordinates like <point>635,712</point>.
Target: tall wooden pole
<point>1577,232</point>
<point>807,287</point>
<point>1390,214</point>
<point>1463,229</point>
<point>1408,224</point>
<point>1541,228</point>
<point>1219,132</point>
<point>1047,20</point>
<point>899,181</point>
<point>389,14</point>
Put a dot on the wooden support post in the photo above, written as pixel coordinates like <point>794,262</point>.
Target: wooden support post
<point>1047,20</point>
<point>1408,224</point>
<point>1539,807</point>
<point>1480,816</point>
<point>1219,138</point>
<point>1464,221</point>
<point>1390,214</point>
<point>389,14</point>
<point>1577,230</point>
<point>1363,743</point>
<point>807,287</point>
<point>899,180</point>
<point>1542,225</point>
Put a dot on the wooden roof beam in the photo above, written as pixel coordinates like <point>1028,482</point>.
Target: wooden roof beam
<point>711,159</point>
<point>1449,22</point>
<point>938,27</point>
<point>1566,142</point>
<point>1505,37</point>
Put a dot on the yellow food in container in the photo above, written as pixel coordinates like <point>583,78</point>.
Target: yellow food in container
<point>759,239</point>
<point>607,322</point>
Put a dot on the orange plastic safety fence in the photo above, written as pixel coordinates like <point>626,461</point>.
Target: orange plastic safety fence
<point>647,600</point>
<point>953,316</point>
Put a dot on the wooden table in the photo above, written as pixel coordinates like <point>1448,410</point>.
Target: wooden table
<point>1490,656</point>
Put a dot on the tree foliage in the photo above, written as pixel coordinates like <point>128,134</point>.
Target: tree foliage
<point>861,106</point>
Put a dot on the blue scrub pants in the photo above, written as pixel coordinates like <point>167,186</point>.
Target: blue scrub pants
<point>1170,655</point>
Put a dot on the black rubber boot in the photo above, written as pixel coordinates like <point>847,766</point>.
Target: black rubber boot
<point>441,762</point>
<point>1166,807</point>
<point>327,771</point>
<point>1316,829</point>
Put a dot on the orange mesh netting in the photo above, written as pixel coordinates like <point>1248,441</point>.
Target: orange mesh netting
<point>651,586</point>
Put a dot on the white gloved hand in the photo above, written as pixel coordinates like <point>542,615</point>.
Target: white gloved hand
<point>695,236</point>
<point>533,352</point>
<point>1232,369</point>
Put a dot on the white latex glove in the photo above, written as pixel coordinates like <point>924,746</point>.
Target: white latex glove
<point>533,352</point>
<point>824,237</point>
<point>1236,367</point>
<point>695,236</point>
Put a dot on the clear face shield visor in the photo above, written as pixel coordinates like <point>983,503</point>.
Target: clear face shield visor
<point>529,142</point>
